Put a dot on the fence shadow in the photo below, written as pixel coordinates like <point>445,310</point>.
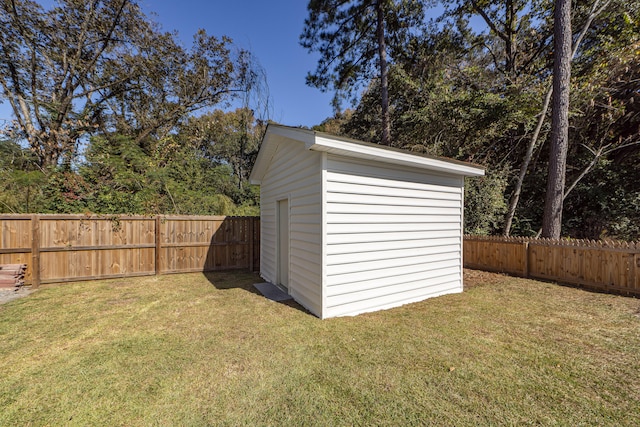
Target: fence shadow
<point>232,245</point>
<point>233,279</point>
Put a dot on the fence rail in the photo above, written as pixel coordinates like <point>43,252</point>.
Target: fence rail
<point>609,266</point>
<point>64,248</point>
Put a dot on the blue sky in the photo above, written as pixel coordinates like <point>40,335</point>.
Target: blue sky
<point>270,29</point>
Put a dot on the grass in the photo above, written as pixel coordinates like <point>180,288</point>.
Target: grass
<point>195,350</point>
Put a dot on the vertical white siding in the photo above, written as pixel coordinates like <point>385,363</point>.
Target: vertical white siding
<point>393,236</point>
<point>294,174</point>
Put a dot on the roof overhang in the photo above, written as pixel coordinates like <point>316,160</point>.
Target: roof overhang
<point>345,147</point>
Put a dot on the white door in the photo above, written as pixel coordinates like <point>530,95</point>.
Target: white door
<point>283,243</point>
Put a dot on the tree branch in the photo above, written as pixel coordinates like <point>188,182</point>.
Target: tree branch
<point>489,22</point>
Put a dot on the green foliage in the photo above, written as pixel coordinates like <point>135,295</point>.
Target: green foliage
<point>102,74</point>
<point>484,203</point>
<point>475,94</point>
<point>344,35</point>
<point>78,69</point>
<point>470,92</point>
<point>608,201</point>
<point>230,138</point>
<point>203,169</point>
<point>173,178</point>
<point>64,192</point>
<point>20,180</point>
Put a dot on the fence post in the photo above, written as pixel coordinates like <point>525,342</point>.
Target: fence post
<point>526,260</point>
<point>35,251</point>
<point>635,284</point>
<point>157,236</point>
<point>251,243</point>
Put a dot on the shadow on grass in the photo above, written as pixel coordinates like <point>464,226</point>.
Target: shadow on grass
<point>230,256</point>
<point>233,279</point>
<point>242,279</point>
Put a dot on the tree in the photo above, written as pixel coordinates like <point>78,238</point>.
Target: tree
<point>176,178</point>
<point>513,37</point>
<point>450,95</point>
<point>20,179</point>
<point>51,66</point>
<point>596,9</point>
<point>167,83</point>
<point>604,155</point>
<point>230,138</point>
<point>100,66</point>
<point>552,219</point>
<point>353,38</point>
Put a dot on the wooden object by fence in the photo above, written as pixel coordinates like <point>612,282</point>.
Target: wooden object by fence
<point>15,241</point>
<point>12,275</point>
<point>64,248</point>
<point>610,266</point>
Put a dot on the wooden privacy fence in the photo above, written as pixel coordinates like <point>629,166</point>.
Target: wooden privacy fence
<point>64,248</point>
<point>601,265</point>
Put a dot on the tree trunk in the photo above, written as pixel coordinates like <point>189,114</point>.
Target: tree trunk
<point>384,78</point>
<point>511,31</point>
<point>515,197</point>
<point>552,220</point>
<point>596,9</point>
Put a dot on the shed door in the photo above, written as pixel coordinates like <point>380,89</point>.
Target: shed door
<point>283,243</point>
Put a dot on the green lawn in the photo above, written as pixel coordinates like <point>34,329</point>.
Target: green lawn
<point>195,350</point>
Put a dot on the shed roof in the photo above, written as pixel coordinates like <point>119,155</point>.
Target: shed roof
<point>346,147</point>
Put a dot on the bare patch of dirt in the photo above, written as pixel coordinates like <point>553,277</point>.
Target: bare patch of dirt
<point>478,277</point>
<point>7,295</point>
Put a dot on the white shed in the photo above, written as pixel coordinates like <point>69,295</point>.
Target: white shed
<point>349,227</point>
